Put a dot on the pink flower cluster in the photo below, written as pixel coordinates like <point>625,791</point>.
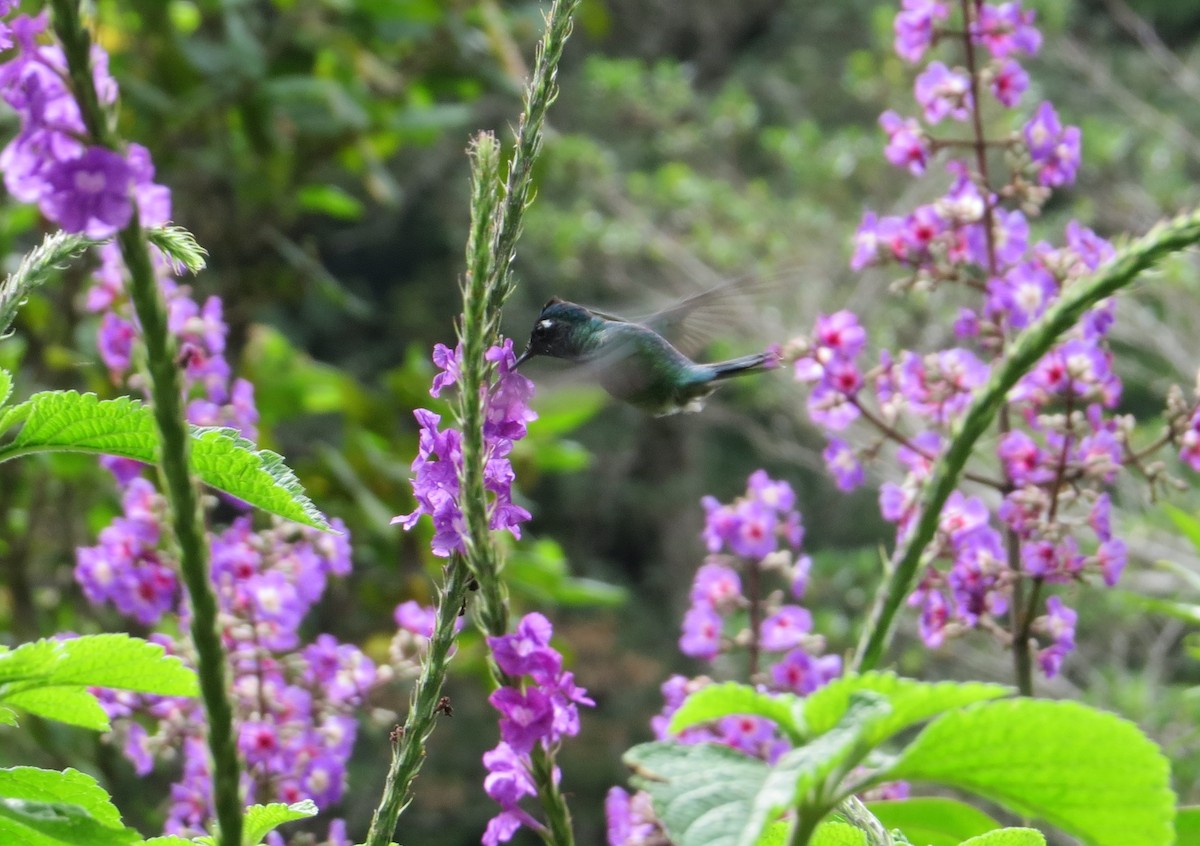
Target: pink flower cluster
<point>1042,512</point>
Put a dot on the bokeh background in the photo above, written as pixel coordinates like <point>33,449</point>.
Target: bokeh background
<point>317,149</point>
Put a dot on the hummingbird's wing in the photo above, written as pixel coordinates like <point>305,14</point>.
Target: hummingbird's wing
<point>692,323</point>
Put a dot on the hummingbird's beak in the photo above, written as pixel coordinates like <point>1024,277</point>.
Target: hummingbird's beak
<point>522,358</point>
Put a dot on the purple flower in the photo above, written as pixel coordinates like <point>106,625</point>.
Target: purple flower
<point>907,145</point>
<point>1006,28</point>
<point>89,193</point>
<point>701,633</point>
<point>527,651</point>
<point>942,93</point>
<point>525,717</point>
<point>508,779</point>
<point>914,27</point>
<point>630,820</point>
<point>1055,150</point>
<point>1112,556</point>
<point>802,673</point>
<point>785,628</point>
<point>717,587</point>
<point>843,464</point>
<point>1008,82</point>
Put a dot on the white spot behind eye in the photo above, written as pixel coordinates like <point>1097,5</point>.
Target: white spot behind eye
<point>545,324</point>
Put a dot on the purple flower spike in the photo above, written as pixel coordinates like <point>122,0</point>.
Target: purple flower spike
<point>90,194</point>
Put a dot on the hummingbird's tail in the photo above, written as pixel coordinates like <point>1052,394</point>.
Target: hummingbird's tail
<point>743,364</point>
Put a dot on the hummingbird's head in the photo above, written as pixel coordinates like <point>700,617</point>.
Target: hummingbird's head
<point>555,332</point>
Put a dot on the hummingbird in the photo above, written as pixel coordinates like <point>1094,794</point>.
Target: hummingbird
<point>634,362</point>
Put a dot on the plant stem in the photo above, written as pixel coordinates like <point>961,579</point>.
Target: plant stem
<point>166,395</point>
<point>408,751</point>
<point>1028,348</point>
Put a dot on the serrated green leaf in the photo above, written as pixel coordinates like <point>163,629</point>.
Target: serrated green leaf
<point>1008,837</point>
<point>1092,774</point>
<point>723,700</point>
<point>51,678</point>
<point>70,786</point>
<point>800,779</point>
<point>114,660</point>
<point>71,705</point>
<point>5,385</point>
<point>56,824</point>
<point>911,701</point>
<point>837,834</point>
<point>702,793</point>
<point>67,420</point>
<point>933,821</point>
<point>261,820</point>
<point>49,808</point>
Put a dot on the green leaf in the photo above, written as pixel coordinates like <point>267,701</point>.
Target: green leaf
<point>114,660</point>
<point>723,700</point>
<point>802,777</point>
<point>71,705</point>
<point>1187,523</point>
<point>911,701</point>
<point>36,268</point>
<point>1092,774</point>
<point>701,793</point>
<point>1008,837</point>
<point>933,821</point>
<point>5,385</point>
<point>179,245</point>
<point>330,200</point>
<point>1187,825</point>
<point>261,820</point>
<point>775,835</point>
<point>50,677</point>
<point>48,808</point>
<point>168,840</point>
<point>66,420</point>
<point>838,834</point>
<point>69,786</point>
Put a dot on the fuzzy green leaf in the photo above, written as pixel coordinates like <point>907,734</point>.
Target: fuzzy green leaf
<point>71,705</point>
<point>800,779</point>
<point>114,660</point>
<point>911,701</point>
<point>36,268</point>
<point>66,420</point>
<point>1008,837</point>
<point>932,820</point>
<point>1092,774</point>
<point>702,793</point>
<point>5,385</point>
<point>51,678</point>
<point>723,700</point>
<point>261,820</point>
<point>168,840</point>
<point>179,245</point>
<point>49,808</point>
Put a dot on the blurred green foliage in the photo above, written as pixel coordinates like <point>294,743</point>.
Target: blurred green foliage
<point>316,148</point>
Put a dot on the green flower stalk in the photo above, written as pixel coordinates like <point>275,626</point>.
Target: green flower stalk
<point>497,209</point>
<point>166,395</point>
